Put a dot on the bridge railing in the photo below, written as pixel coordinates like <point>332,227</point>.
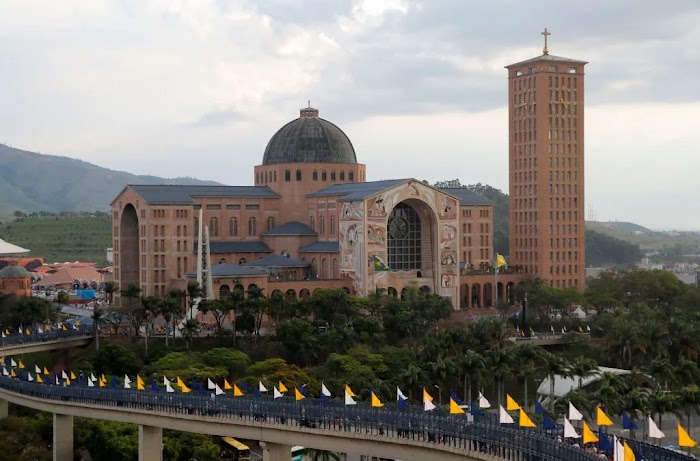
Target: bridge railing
<point>35,337</point>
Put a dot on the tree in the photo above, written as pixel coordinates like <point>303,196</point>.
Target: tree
<point>30,311</point>
<point>194,295</point>
<point>554,365</point>
<point>150,307</point>
<point>218,308</point>
<point>472,365</point>
<point>97,319</point>
<point>62,297</point>
<point>115,360</point>
<point>313,454</point>
<point>582,368</point>
<point>188,330</point>
<point>111,288</point>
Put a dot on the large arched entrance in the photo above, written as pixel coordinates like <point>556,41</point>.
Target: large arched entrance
<point>405,236</point>
<point>129,268</point>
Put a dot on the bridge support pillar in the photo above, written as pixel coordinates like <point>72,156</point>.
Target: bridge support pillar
<point>3,409</point>
<point>62,437</point>
<point>276,452</point>
<point>150,443</point>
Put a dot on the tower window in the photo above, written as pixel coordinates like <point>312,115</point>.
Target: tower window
<point>323,175</point>
<point>332,175</point>
<point>351,176</point>
<point>298,175</point>
<point>270,223</point>
<point>287,176</point>
<point>315,175</point>
<point>233,227</point>
<point>252,227</point>
<point>342,175</point>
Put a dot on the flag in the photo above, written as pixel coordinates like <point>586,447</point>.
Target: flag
<point>63,328</point>
<point>601,418</point>
<point>552,328</point>
<point>538,408</point>
<point>72,375</point>
<point>474,409</point>
<point>13,363</point>
<point>227,386</point>
<point>100,384</point>
<point>37,370</point>
<point>547,423</point>
<point>588,435</point>
<point>325,393</point>
<point>304,391</point>
<point>5,372</point>
<point>30,378</point>
<point>282,387</point>
<point>684,439</point>
<point>261,387</point>
<point>68,382</point>
<point>428,405</point>
<point>218,390</point>
<point>39,379</point>
<point>454,397</point>
<point>588,328</point>
<point>154,385</point>
<point>379,264</point>
<point>618,450</point>
<point>140,385</point>
<point>399,394</point>
<point>256,392</point>
<point>500,260</point>
<point>580,329</point>
<point>627,422</point>
<point>92,375</point>
<point>64,375</point>
<point>14,375</point>
<point>503,416</point>
<point>574,414</point>
<point>653,430</point>
<point>376,403</point>
<point>483,403</point>
<point>277,394</point>
<point>7,332</point>
<point>127,384</point>
<point>169,388</point>
<point>27,332</point>
<point>103,378</point>
<point>455,409</point>
<point>349,391</point>
<point>236,391</point>
<point>210,384</point>
<point>91,383</point>
<point>21,365</point>
<point>569,430</point>
<point>604,444</point>
<point>511,404</point>
<point>628,452</point>
<point>402,404</point>
<point>298,395</point>
<point>426,396</point>
<point>166,381</point>
<point>127,380</point>
<point>524,420</point>
<point>348,398</point>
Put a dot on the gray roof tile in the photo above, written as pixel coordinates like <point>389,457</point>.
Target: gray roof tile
<point>466,196</point>
<point>276,261</point>
<point>357,190</point>
<point>291,228</point>
<point>321,247</point>
<point>172,194</point>
<point>232,270</point>
<point>546,57</point>
<point>237,247</point>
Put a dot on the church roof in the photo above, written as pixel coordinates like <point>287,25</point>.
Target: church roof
<point>321,247</point>
<point>14,272</point>
<point>276,261</point>
<point>466,196</point>
<point>546,57</point>
<point>231,270</point>
<point>174,194</point>
<point>67,275</point>
<point>291,228</point>
<point>7,249</point>
<point>309,139</point>
<point>236,247</point>
<point>357,190</point>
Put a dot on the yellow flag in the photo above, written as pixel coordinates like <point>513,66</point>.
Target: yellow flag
<point>103,378</point>
<point>77,324</point>
<point>39,379</point>
<point>12,373</point>
<point>454,408</point>
<point>601,419</point>
<point>427,396</point>
<point>376,403</point>
<point>298,395</point>
<point>63,327</point>
<point>348,390</point>
<point>7,332</point>
<point>524,420</point>
<point>282,387</point>
<point>629,454</point>
<point>67,381</point>
<point>27,332</point>
<point>500,260</point>
<point>21,365</point>
<point>102,383</point>
<point>236,391</point>
<point>684,439</point>
<point>72,375</point>
<point>46,372</point>
<point>580,328</point>
<point>227,386</point>
<point>588,435</point>
<point>511,404</point>
<point>140,384</point>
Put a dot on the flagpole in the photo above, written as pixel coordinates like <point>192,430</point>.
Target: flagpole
<point>495,286</point>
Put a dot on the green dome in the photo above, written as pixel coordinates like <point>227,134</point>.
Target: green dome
<point>309,139</point>
<point>14,272</point>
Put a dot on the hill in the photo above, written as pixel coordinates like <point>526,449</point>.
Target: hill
<point>673,243</point>
<point>35,182</point>
<point>61,238</point>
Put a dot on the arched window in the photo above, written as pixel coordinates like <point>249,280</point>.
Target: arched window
<point>196,227</point>
<point>322,225</point>
<point>252,227</point>
<point>323,175</point>
<point>179,231</point>
<point>274,173</point>
<point>241,261</point>
<point>298,175</point>
<point>270,223</point>
<point>342,175</point>
<point>351,176</point>
<point>287,175</point>
<point>333,175</point>
<point>267,176</point>
<point>315,175</point>
<point>214,227</point>
<point>224,291</point>
<point>331,230</point>
<point>179,268</point>
<point>312,224</point>
<point>233,227</point>
<point>404,232</point>
<point>184,231</point>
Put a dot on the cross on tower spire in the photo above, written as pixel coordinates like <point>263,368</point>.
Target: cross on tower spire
<point>546,33</point>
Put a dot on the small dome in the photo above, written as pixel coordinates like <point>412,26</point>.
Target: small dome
<point>309,139</point>
<point>14,272</point>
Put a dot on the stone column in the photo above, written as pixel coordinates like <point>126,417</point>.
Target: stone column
<point>62,437</point>
<point>150,443</point>
<point>3,409</point>
<point>276,451</point>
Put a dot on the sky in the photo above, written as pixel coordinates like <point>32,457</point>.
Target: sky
<point>197,87</point>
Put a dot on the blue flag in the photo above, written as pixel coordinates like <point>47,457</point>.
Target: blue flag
<point>324,398</point>
<point>604,443</point>
<point>547,423</point>
<point>154,385</point>
<point>303,390</point>
<point>244,386</point>
<point>628,423</point>
<point>402,403</point>
<point>538,408</point>
<point>256,392</point>
<point>115,382</point>
<point>474,409</point>
<point>455,398</point>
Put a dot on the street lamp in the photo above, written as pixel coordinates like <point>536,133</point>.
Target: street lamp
<point>439,394</point>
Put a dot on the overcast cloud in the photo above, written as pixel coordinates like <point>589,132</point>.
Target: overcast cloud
<point>197,87</point>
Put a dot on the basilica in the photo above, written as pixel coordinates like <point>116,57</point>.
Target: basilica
<point>312,221</point>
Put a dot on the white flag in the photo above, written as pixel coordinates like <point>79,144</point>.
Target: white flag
<point>5,372</point>
<point>428,405</point>
<point>210,384</point>
<point>562,330</point>
<point>218,390</point>
<point>588,328</point>
<point>569,430</point>
<point>399,394</point>
<point>19,330</point>
<point>654,431</point>
<point>166,381</point>
<point>127,381</point>
<point>29,377</point>
<point>3,334</point>
<point>483,402</point>
<point>503,416</point>
<point>277,394</point>
<point>261,387</point>
<point>40,330</point>
<point>349,400</point>
<point>37,369</point>
<point>127,384</point>
<point>168,387</point>
<point>13,363</point>
<point>57,382</point>
<point>574,414</point>
<point>93,377</point>
<point>64,375</point>
<point>619,450</point>
<point>325,391</point>
<point>91,383</point>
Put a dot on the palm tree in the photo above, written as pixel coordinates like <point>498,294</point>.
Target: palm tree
<point>689,400</point>
<point>313,454</point>
<point>662,402</point>
<point>194,294</point>
<point>472,365</point>
<point>237,298</point>
<point>527,358</point>
<point>178,310</point>
<point>582,368</point>
<point>255,297</point>
<point>413,377</point>
<point>97,318</point>
<point>111,288</point>
<point>168,307</point>
<point>133,294</point>
<point>553,366</point>
<point>189,329</point>
<point>499,361</point>
<point>62,297</point>
<point>150,306</point>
